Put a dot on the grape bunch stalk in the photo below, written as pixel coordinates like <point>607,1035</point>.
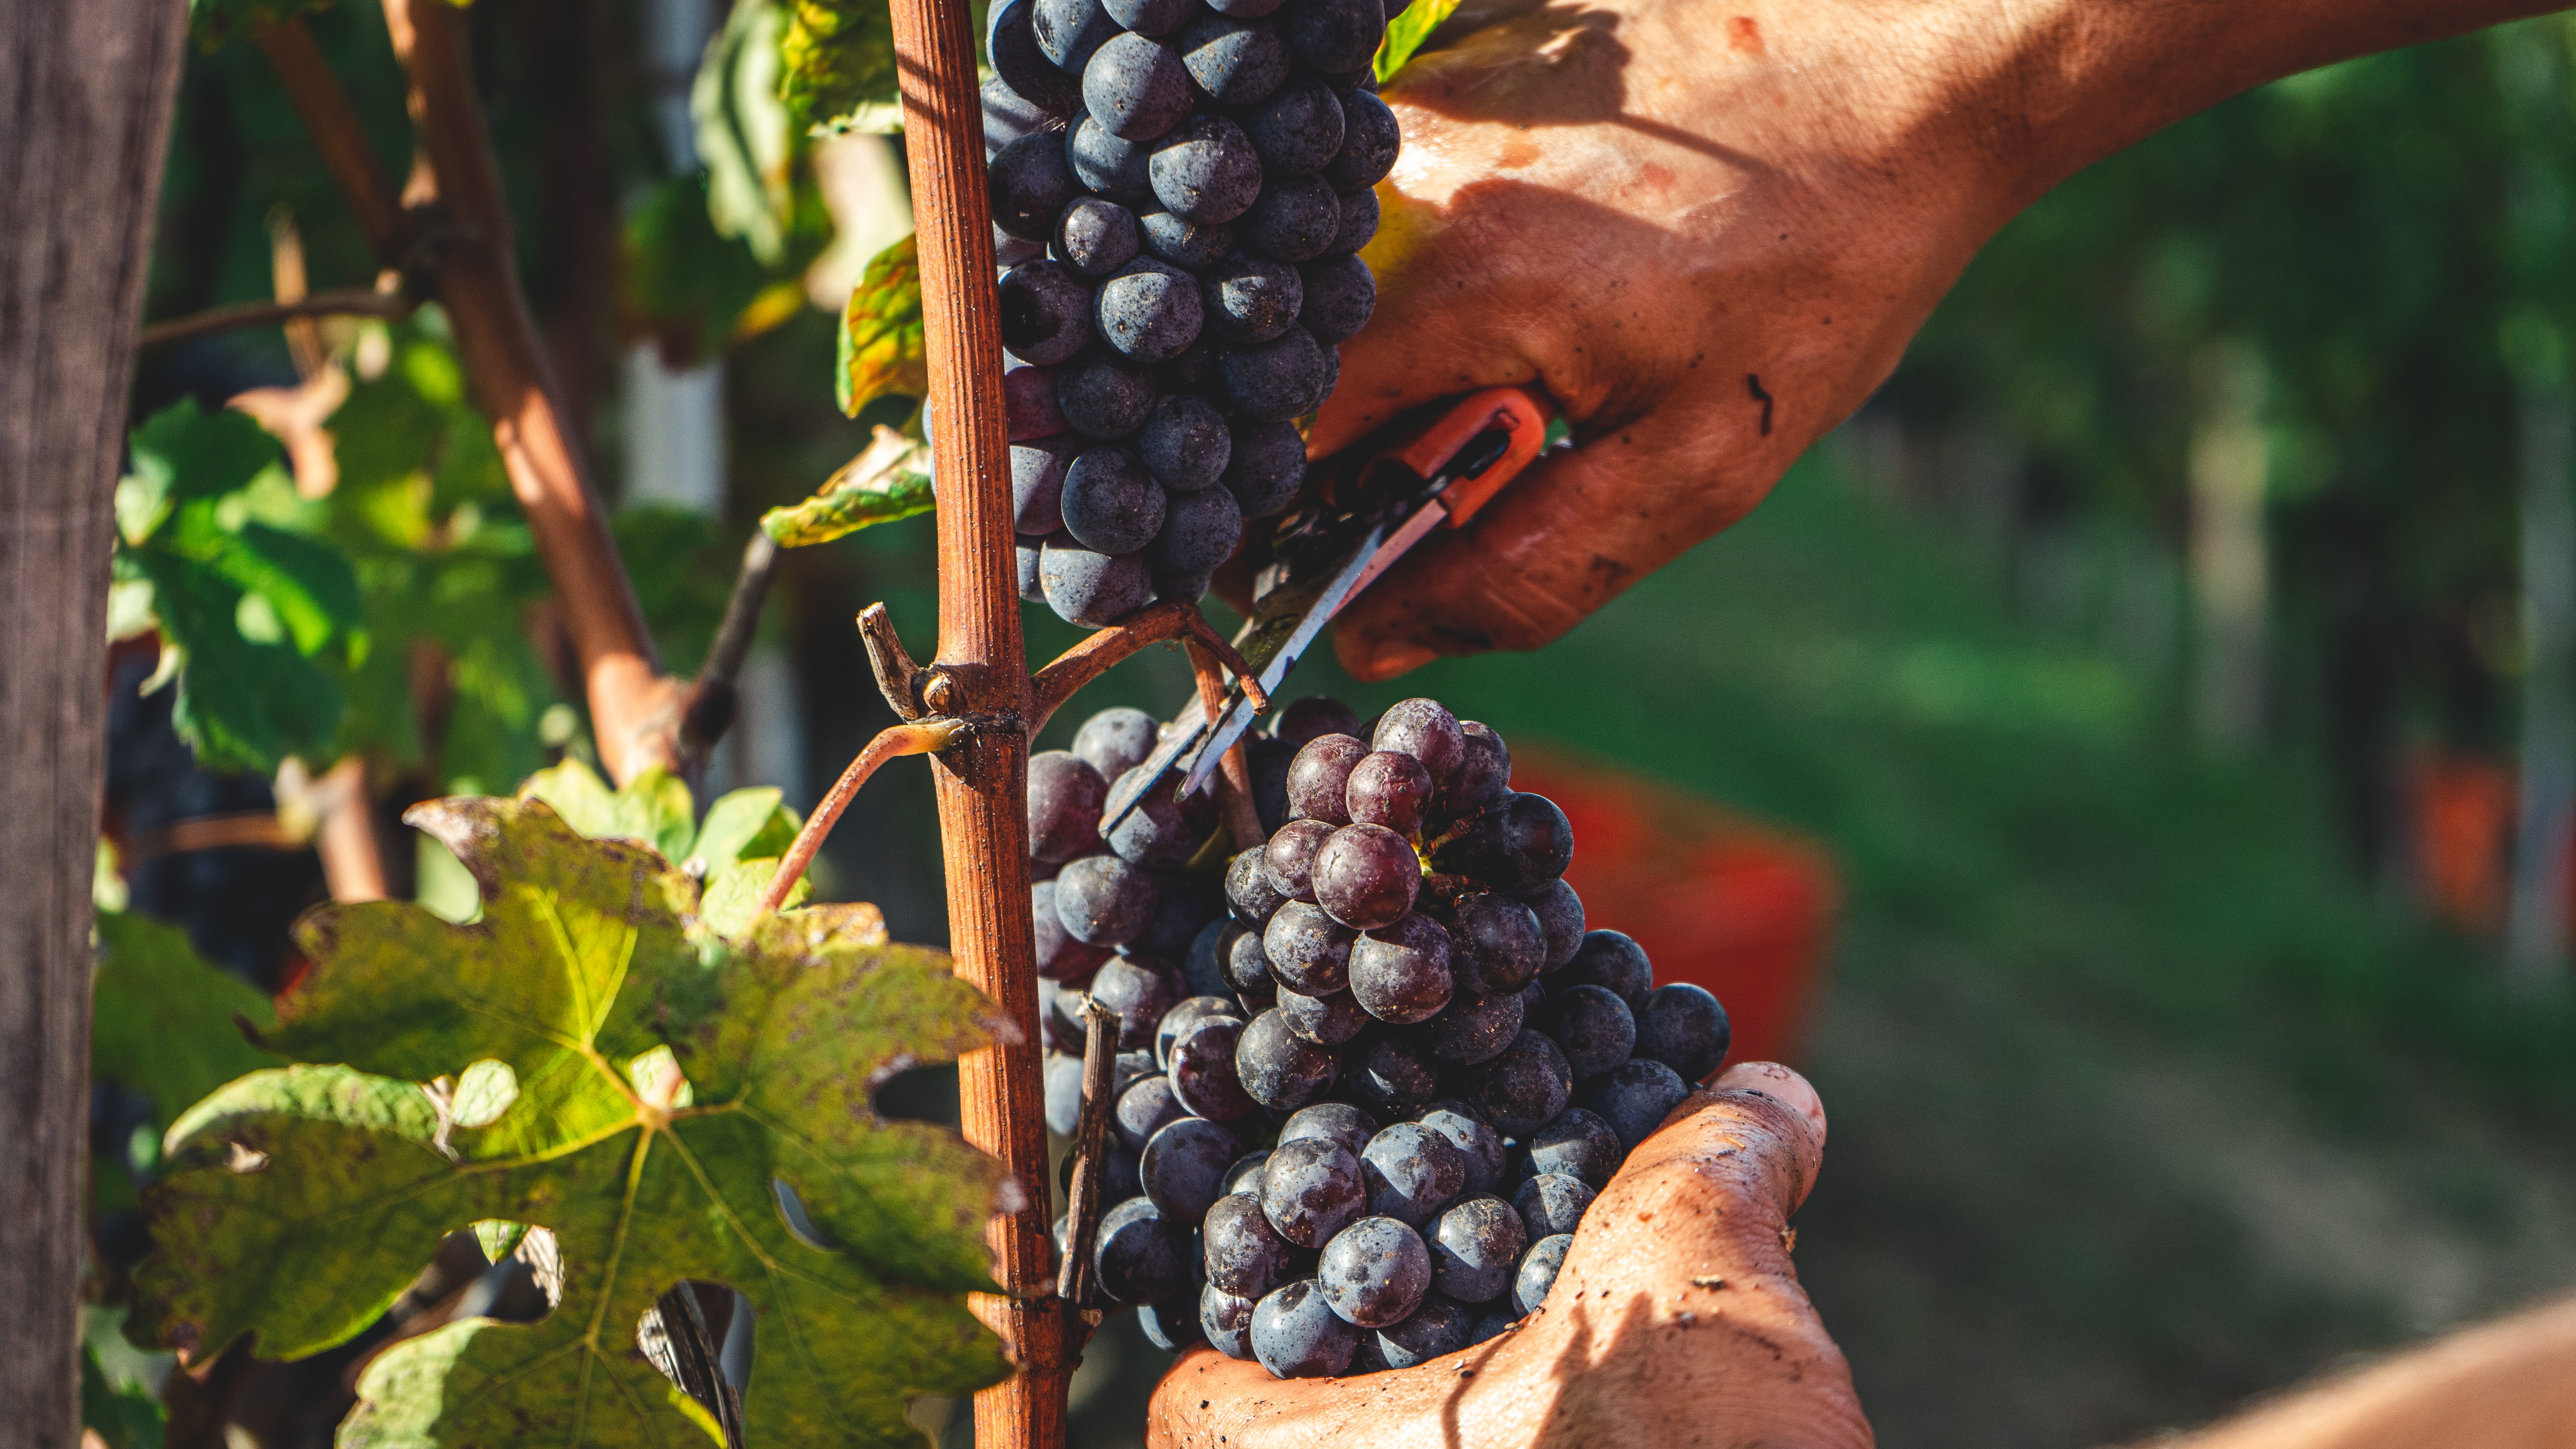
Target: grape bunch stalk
<point>1369,1084</point>
<point>1180,189</point>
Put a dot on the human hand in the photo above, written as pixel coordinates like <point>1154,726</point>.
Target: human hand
<point>1677,1318</point>
<point>1708,229</point>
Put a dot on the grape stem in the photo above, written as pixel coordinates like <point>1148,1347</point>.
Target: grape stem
<point>927,737</point>
<point>1091,1162</point>
<point>1093,657</point>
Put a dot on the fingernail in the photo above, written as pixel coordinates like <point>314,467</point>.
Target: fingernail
<point>1778,1083</point>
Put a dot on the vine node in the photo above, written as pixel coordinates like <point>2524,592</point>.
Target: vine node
<point>898,678</point>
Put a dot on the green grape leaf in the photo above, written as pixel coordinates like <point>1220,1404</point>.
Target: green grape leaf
<point>742,825</point>
<point>166,1023</point>
<point>654,808</point>
<point>302,1201</point>
<point>733,893</point>
<point>881,349</point>
<point>122,1416</point>
<point>836,65</point>
<point>888,481</point>
<point>1406,33</point>
<point>244,704</point>
<point>743,135</point>
<point>182,453</point>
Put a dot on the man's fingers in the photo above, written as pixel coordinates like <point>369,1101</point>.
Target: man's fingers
<point>1563,539</point>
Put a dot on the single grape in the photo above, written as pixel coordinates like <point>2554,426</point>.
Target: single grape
<point>1009,251</point>
<point>1247,964</point>
<point>1516,844</point>
<point>1008,115</point>
<point>1205,171</point>
<point>1592,1026</point>
<point>1635,1098</point>
<point>1204,1073</point>
<point>1613,961</point>
<point>1276,380</point>
<point>1289,857</point>
<point>1395,1076</point>
<point>1226,1320</point>
<point>1104,396</point>
<point>1438,1327</point>
<point>1319,778</point>
<point>1143,1110</point>
<point>1310,1190</point>
<point>1684,1028</point>
<point>1280,1069</point>
<point>1028,557</point>
<point>1411,1172</point>
<point>1524,1087</point>
<point>1059,1025</point>
<point>1340,296</point>
<point>1243,9</point>
<point>1060,956</point>
<point>1141,1255</point>
<point>1030,185</point>
<point>1293,220</point>
<point>1095,237</point>
<point>1248,889</point>
<point>1484,772</point>
<point>1037,485</point>
<point>1475,1139</point>
<point>1474,1029</point>
<point>1045,312</point>
<point>1111,166</point>
<point>1029,405</point>
<point>1538,1270</point>
<point>1237,62</point>
<point>1475,1246</point>
<point>1334,35</point>
<point>1297,130</point>
<point>1184,243</point>
<point>1183,1166</point>
<point>1245,1256</point>
<point>1070,32</point>
<point>1118,1181</point>
<point>1157,833</point>
<point>1115,741</point>
<point>1104,901</point>
<point>1492,1324</point>
<point>1308,950</point>
<point>1366,1356</point>
<point>1296,1335</point>
<point>1374,1272</point>
<point>1268,761</point>
<point>1172,1325</point>
<point>1578,1144</point>
<point>1200,532</point>
<point>1250,299</point>
<point>1370,140</point>
<point>1245,1175</point>
<point>1110,502</point>
<point>1359,217</point>
<point>1389,789</point>
<point>1550,1203</point>
<point>1497,944</point>
<point>1063,1093</point>
<point>1312,718</point>
<point>1424,729</point>
<point>1186,1013</point>
<point>1269,463</point>
<point>1185,444</point>
<point>1149,311</point>
<point>1327,1020</point>
<point>1139,990</point>
<point>1022,64</point>
<point>1366,877</point>
<point>1400,973</point>
<point>1150,17</point>
<point>1065,796</point>
<point>1560,914</point>
<point>1333,1122</point>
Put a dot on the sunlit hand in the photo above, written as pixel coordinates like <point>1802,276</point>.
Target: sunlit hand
<point>1708,229</point>
<point>1677,1319</point>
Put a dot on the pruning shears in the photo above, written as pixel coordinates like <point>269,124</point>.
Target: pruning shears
<point>1322,555</point>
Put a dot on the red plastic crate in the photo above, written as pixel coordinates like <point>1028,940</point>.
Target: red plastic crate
<point>1742,909</point>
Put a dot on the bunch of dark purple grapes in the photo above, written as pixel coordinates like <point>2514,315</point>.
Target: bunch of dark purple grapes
<point>1400,983</point>
<point>1179,189</point>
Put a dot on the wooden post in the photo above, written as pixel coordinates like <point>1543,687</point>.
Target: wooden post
<point>981,676</point>
<point>88,90</point>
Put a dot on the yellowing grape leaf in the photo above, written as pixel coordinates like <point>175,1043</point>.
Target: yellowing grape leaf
<point>1406,33</point>
<point>836,63</point>
<point>889,480</point>
<point>301,1201</point>
<point>881,346</point>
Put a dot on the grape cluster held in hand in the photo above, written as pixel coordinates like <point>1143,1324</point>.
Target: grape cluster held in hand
<point>1373,1071</point>
<point>1179,191</point>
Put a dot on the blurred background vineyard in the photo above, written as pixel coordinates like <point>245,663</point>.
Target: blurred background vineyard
<point>2174,661</point>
